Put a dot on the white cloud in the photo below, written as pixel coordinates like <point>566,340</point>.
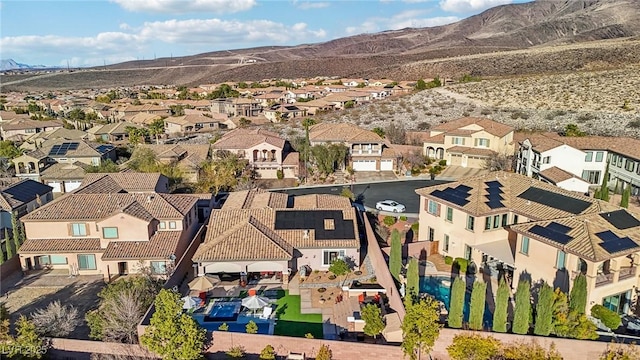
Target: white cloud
<point>405,19</point>
<point>307,5</point>
<point>466,6</point>
<point>186,6</point>
<point>199,35</point>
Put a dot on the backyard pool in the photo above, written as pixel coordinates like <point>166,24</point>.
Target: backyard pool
<point>239,324</point>
<point>224,311</point>
<point>440,288</point>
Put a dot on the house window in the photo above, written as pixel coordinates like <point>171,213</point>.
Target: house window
<point>482,142</point>
<point>561,260</point>
<point>449,214</point>
<point>496,221</point>
<point>470,222</point>
<point>629,165</point>
<point>504,220</point>
<point>515,218</point>
<point>524,246</point>
<point>172,224</point>
<point>433,207</point>
<point>546,160</point>
<point>599,156</point>
<point>457,140</point>
<point>616,303</point>
<point>467,252</point>
<point>328,256</point>
<point>432,234</point>
<point>588,157</point>
<point>86,262</point>
<point>52,260</point>
<point>79,229</point>
<point>445,246</point>
<point>162,225</point>
<point>619,162</point>
<point>110,232</point>
<point>592,176</point>
<point>487,223</point>
<point>158,267</point>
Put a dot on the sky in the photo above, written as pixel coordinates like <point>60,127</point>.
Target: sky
<point>97,32</point>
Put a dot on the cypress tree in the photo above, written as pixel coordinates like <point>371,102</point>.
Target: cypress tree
<point>502,303</point>
<point>626,195</point>
<point>522,308</point>
<point>544,311</point>
<point>604,188</point>
<point>578,296</point>
<point>15,230</point>
<point>596,194</point>
<point>395,255</point>
<point>6,243</point>
<point>10,250</point>
<point>476,311</point>
<point>456,304</point>
<point>413,278</point>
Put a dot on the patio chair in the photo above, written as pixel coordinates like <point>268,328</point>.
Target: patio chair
<point>266,312</point>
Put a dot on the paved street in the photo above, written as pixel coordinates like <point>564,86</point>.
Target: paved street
<point>368,194</point>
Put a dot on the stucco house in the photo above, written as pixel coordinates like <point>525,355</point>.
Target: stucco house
<point>266,151</point>
<point>469,142</point>
<point>21,128</point>
<point>196,123</point>
<point>511,226</point>
<point>265,237</point>
<point>187,157</point>
<point>112,132</point>
<point>367,150</point>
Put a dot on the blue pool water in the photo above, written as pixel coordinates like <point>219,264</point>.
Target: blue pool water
<point>440,288</point>
<point>225,310</point>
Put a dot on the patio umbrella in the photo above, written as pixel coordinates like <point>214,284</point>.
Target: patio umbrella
<point>255,302</point>
<point>189,303</point>
<point>201,284</point>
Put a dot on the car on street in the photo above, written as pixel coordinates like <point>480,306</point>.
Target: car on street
<point>390,205</point>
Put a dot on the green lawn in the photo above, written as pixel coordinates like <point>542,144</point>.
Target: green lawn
<point>291,322</point>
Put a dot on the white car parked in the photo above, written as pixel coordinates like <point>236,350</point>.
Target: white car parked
<point>390,205</point>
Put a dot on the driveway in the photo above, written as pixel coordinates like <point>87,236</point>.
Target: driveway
<point>369,194</point>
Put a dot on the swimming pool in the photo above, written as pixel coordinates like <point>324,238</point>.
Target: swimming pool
<point>239,324</point>
<point>440,288</point>
<point>224,311</point>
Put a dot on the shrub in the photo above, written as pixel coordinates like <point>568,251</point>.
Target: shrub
<point>280,174</point>
<point>415,226</point>
<point>268,353</point>
<point>403,218</point>
<point>609,318</point>
<point>389,220</point>
<point>236,352</point>
<point>578,296</point>
<point>529,351</point>
<point>223,327</point>
<point>395,255</point>
<point>413,278</point>
<point>424,126</point>
<point>346,192</point>
<point>522,312</point>
<point>324,353</point>
<point>544,311</point>
<point>473,346</point>
<point>461,264</point>
<point>502,303</point>
<point>476,308</point>
<point>448,260</point>
<point>442,162</point>
<point>620,352</point>
<point>456,305</point>
<point>308,335</point>
<point>635,124</point>
<point>252,327</point>
<point>56,320</point>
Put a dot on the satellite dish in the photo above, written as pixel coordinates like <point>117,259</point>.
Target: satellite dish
<point>172,257</point>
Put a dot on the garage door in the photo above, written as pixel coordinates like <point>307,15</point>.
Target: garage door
<point>264,266</point>
<point>223,267</point>
<point>57,187</point>
<point>71,185</point>
<point>386,165</point>
<point>364,165</point>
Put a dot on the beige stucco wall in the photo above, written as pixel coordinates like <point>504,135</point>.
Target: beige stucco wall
<point>313,258</point>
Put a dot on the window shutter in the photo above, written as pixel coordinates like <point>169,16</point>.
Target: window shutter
<point>438,210</point>
<point>426,205</point>
<point>87,229</point>
<point>475,142</point>
<point>488,142</point>
<point>463,139</point>
<point>70,229</point>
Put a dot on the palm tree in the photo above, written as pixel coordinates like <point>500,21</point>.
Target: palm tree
<point>156,128</point>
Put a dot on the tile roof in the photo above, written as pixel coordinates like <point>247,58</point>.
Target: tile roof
<point>26,123</point>
<point>556,175</point>
<point>161,245</point>
<point>255,199</point>
<point>143,118</point>
<point>247,138</point>
<point>470,151</point>
<point>513,185</point>
<point>189,155</point>
<point>120,182</point>
<point>321,201</point>
<point>119,127</point>
<point>490,126</point>
<point>21,193</point>
<point>60,245</point>
<point>99,206</point>
<point>250,240</point>
<point>292,158</point>
<point>583,231</point>
<point>342,132</point>
<point>541,142</point>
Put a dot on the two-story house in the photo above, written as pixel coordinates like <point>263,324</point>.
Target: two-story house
<point>266,151</point>
<point>21,128</point>
<point>284,112</point>
<point>110,233</point>
<point>469,142</point>
<point>233,107</point>
<point>200,122</point>
<point>187,157</point>
<point>367,150</point>
<point>113,132</point>
<point>584,157</point>
<point>511,226</point>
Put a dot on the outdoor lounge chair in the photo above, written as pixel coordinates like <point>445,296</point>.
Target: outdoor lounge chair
<point>266,312</point>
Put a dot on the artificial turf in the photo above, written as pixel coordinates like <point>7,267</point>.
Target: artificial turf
<point>291,322</point>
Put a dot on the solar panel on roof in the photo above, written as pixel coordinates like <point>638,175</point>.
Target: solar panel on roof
<point>73,146</point>
<point>104,148</point>
<point>557,201</point>
<point>493,184</point>
<point>558,227</point>
<point>494,196</point>
<point>620,244</point>
<point>551,234</point>
<point>452,195</point>
<point>607,236</point>
<point>621,219</point>
<point>315,220</point>
<point>54,150</point>
<point>494,204</point>
<point>463,188</point>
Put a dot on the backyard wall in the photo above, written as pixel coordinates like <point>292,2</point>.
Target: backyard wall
<point>10,267</point>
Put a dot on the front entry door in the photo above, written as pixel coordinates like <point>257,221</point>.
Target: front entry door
<point>122,268</point>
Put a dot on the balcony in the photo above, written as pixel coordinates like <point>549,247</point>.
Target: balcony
<point>604,279</point>
<point>627,272</point>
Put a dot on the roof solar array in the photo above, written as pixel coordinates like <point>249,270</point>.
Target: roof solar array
<point>553,231</point>
<point>104,148</point>
<point>457,195</point>
<point>63,148</point>
<point>315,220</point>
<point>621,219</point>
<point>493,194</point>
<point>611,243</point>
<point>555,200</point>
